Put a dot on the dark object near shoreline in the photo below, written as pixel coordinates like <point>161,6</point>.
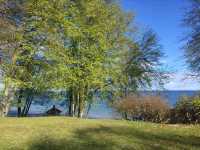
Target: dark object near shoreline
<point>53,111</point>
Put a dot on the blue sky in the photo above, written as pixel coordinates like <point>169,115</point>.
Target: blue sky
<point>164,17</point>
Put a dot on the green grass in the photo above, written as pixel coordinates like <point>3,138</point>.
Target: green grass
<point>61,133</point>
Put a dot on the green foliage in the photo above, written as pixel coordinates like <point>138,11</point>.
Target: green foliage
<point>191,21</point>
<point>78,46</point>
<point>187,110</point>
<point>141,67</point>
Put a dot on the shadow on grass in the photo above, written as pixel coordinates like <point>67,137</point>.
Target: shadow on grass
<point>116,138</point>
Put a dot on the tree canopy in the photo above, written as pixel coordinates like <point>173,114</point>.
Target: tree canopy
<point>192,46</point>
<point>79,46</point>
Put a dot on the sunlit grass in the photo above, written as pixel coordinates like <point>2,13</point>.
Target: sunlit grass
<point>62,133</point>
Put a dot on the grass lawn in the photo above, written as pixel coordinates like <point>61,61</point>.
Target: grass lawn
<point>62,133</point>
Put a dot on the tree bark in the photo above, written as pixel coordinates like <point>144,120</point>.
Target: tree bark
<point>19,108</point>
<point>70,97</point>
<point>89,108</point>
<point>81,103</point>
<point>71,107</point>
<point>8,97</point>
<point>76,99</point>
<point>28,103</point>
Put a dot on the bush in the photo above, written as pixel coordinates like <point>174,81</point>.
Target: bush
<point>187,110</point>
<point>146,108</point>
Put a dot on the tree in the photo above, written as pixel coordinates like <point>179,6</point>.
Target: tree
<point>80,46</point>
<point>82,39</point>
<point>24,68</point>
<point>140,65</point>
<point>8,45</point>
<point>100,28</point>
<point>192,47</point>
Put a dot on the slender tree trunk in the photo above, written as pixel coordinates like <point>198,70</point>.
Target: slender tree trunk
<point>125,92</point>
<point>76,99</point>
<point>81,103</point>
<point>80,109</point>
<point>8,97</point>
<point>27,107</point>
<point>71,107</point>
<point>19,108</point>
<point>70,97</point>
<point>89,108</point>
<point>28,103</point>
<point>125,116</point>
<point>6,101</point>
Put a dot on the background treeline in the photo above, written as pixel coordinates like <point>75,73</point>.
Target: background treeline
<point>82,47</point>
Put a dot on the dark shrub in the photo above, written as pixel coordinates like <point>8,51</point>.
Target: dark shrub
<point>147,108</point>
<point>196,105</point>
<point>186,110</point>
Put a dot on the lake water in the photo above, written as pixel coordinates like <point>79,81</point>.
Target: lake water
<point>101,109</point>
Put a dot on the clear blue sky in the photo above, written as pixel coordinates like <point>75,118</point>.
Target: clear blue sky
<point>164,17</point>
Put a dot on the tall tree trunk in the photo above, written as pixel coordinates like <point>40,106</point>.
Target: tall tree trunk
<point>76,99</point>
<point>19,101</point>
<point>81,103</point>
<point>71,107</point>
<point>28,103</point>
<point>19,109</point>
<point>88,109</point>
<point>125,116</point>
<point>5,101</point>
<point>80,109</point>
<point>7,98</point>
<point>70,102</point>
